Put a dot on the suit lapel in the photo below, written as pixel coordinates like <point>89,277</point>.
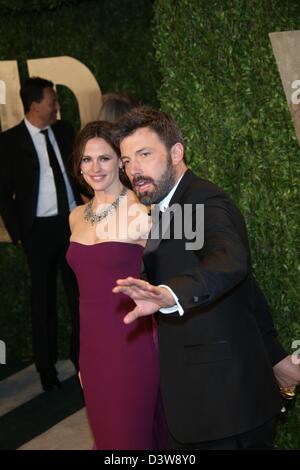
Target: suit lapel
<point>158,230</point>
<point>185,182</point>
<point>28,145</point>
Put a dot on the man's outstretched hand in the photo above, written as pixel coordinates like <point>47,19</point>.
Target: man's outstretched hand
<point>148,298</point>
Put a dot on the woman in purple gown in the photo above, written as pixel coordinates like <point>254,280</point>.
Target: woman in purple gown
<point>118,363</point>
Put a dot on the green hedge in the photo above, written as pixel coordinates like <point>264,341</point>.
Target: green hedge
<point>221,83</point>
<point>111,37</point>
<point>15,320</point>
<point>23,6</point>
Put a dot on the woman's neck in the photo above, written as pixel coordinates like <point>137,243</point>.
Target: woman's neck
<point>108,196</point>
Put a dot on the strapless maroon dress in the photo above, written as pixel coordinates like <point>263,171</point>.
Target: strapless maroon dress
<point>118,363</point>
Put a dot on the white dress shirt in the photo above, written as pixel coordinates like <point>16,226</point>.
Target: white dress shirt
<point>47,201</point>
<point>163,205</point>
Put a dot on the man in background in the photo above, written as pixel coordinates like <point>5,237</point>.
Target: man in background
<point>36,196</point>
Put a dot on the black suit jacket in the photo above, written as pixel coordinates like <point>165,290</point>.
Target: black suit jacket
<point>19,175</point>
<point>216,375</point>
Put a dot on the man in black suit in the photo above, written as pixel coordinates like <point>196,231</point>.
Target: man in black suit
<point>216,337</point>
<point>36,196</point>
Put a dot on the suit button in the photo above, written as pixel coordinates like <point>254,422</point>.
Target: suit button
<point>195,299</point>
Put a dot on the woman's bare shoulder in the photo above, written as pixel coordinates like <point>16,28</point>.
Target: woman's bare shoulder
<point>76,213</point>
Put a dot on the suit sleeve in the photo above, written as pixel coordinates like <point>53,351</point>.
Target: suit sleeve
<point>7,188</point>
<point>223,260</point>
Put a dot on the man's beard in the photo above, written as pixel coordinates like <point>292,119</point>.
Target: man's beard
<point>161,187</point>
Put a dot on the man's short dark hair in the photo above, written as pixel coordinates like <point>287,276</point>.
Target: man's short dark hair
<point>165,127</point>
<point>33,90</point>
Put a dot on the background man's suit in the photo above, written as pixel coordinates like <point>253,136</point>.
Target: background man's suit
<point>43,238</point>
<point>216,375</point>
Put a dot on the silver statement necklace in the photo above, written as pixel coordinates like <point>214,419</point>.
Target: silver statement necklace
<point>93,217</point>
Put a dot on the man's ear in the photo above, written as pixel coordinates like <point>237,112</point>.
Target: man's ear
<point>33,106</point>
<point>177,153</point>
